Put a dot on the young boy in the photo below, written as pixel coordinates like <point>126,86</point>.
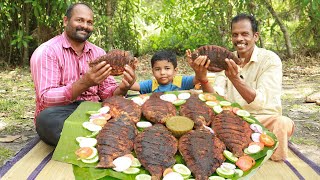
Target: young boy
<point>164,70</point>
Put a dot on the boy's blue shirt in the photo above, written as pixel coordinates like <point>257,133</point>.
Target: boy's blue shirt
<point>179,83</point>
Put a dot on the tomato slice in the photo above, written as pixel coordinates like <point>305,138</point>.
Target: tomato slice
<point>235,109</point>
<point>257,143</point>
<point>209,97</point>
<point>245,163</point>
<point>84,152</point>
<point>266,140</point>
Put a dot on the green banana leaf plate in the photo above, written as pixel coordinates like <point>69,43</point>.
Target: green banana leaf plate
<point>65,150</point>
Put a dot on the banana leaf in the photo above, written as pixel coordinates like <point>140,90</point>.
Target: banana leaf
<point>65,150</point>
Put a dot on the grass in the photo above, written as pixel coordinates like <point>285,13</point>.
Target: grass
<point>299,140</point>
<point>5,154</point>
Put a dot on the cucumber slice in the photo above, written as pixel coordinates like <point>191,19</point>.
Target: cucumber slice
<point>254,148</point>
<point>104,110</point>
<point>179,102</point>
<point>225,173</point>
<point>249,120</point>
<point>184,96</point>
<point>132,170</point>
<point>201,97</point>
<point>168,97</point>
<point>143,177</point>
<point>216,178</point>
<point>135,163</point>
<point>173,175</point>
<point>211,103</point>
<point>243,113</point>
<point>143,124</point>
<point>182,169</point>
<point>122,163</point>
<point>94,134</point>
<point>90,161</point>
<point>230,156</point>
<point>238,173</point>
<point>88,142</point>
<point>91,127</point>
<point>79,139</point>
<point>217,109</point>
<point>92,112</point>
<point>138,100</point>
<point>228,166</point>
<point>225,103</point>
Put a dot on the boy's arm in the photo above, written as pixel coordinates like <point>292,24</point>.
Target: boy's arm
<point>135,87</point>
<point>200,66</point>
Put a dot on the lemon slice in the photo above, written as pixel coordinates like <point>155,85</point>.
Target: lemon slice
<point>225,103</point>
<point>132,170</point>
<point>243,113</point>
<point>143,177</point>
<point>182,169</point>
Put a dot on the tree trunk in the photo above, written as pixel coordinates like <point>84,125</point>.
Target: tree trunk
<point>109,14</point>
<point>25,54</point>
<point>282,27</point>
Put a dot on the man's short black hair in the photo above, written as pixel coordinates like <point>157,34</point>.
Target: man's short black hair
<point>70,9</point>
<point>170,56</point>
<point>243,16</point>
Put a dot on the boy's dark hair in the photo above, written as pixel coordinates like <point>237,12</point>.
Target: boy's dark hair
<point>70,9</point>
<point>243,16</point>
<point>164,55</point>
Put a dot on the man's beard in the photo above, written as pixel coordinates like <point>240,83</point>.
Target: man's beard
<point>80,37</point>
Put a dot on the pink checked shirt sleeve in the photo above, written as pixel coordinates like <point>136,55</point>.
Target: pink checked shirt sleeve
<point>55,66</point>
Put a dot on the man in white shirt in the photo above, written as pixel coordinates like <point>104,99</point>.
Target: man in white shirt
<point>256,83</point>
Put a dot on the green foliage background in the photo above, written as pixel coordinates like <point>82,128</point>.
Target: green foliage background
<point>144,26</point>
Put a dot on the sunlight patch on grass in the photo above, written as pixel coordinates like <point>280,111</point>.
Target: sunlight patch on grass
<point>5,154</point>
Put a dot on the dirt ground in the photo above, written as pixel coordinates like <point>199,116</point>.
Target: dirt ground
<point>298,82</point>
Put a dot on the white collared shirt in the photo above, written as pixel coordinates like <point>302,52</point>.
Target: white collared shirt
<point>263,73</point>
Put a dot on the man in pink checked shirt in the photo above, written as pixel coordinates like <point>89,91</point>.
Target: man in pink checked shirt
<point>63,78</point>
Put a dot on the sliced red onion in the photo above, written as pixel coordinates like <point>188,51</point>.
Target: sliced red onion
<point>256,128</point>
<point>255,137</point>
<point>209,128</point>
